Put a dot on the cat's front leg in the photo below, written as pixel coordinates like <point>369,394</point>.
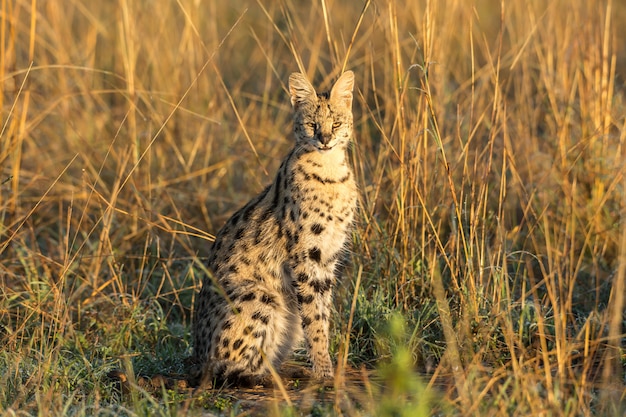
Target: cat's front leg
<point>314,293</point>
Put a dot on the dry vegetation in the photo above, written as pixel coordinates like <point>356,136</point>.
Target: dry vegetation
<point>488,265</point>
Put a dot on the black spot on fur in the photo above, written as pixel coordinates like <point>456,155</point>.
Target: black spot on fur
<point>306,321</point>
<point>261,317</point>
<point>247,213</point>
<point>235,218</point>
<point>321,287</point>
<point>259,361</point>
<point>237,344</point>
<point>248,297</point>
<point>276,197</point>
<point>259,334</point>
<point>266,215</point>
<point>257,237</point>
<point>302,277</point>
<point>317,228</point>
<point>239,233</point>
<point>315,254</point>
<point>305,299</point>
<point>268,299</point>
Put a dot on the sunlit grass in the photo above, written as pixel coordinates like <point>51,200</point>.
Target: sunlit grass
<point>490,250</point>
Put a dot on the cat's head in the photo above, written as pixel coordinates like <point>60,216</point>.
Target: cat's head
<point>322,121</point>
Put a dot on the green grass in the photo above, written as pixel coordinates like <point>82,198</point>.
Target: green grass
<point>487,268</point>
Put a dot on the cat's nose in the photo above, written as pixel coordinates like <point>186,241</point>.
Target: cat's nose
<point>324,138</point>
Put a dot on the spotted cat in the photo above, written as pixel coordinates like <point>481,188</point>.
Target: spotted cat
<point>273,264</point>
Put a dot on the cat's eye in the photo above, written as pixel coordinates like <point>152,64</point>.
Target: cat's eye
<point>311,125</point>
<point>336,125</point>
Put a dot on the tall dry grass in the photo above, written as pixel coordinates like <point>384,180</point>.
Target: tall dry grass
<point>489,148</point>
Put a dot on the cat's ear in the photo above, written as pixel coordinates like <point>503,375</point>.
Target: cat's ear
<point>300,89</point>
<point>342,90</point>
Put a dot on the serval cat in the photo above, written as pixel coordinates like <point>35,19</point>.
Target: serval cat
<point>273,264</point>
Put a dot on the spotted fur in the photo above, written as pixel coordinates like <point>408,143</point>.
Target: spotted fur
<point>273,264</point>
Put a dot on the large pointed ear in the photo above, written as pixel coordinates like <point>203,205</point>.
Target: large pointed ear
<point>342,90</point>
<point>300,89</point>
